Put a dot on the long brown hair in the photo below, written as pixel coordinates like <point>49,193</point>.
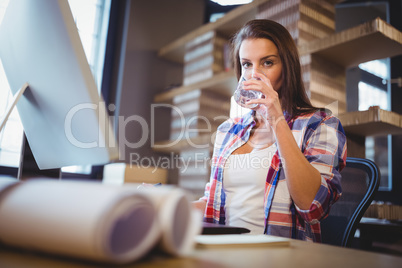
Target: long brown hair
<point>292,93</point>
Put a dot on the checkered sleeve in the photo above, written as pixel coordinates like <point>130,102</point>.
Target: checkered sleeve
<point>325,149</point>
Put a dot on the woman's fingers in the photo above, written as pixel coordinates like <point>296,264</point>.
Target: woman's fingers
<point>265,88</point>
<point>270,97</point>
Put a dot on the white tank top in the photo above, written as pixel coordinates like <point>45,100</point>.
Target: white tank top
<point>244,179</point>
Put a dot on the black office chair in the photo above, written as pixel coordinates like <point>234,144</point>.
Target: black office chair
<point>360,180</point>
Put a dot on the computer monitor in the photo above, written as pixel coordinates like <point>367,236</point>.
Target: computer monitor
<point>64,118</point>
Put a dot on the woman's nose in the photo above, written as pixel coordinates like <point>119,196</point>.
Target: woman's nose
<point>254,71</point>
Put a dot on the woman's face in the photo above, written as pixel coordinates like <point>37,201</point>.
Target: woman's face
<point>262,54</point>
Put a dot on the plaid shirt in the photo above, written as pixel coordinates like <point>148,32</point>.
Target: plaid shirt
<point>322,140</point>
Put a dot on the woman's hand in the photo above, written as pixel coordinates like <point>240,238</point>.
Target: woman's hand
<point>269,106</point>
<point>199,205</point>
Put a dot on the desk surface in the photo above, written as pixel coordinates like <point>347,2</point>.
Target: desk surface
<point>297,254</point>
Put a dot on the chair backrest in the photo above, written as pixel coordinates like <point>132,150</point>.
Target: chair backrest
<point>360,180</point>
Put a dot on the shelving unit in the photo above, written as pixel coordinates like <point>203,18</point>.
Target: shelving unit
<point>366,42</point>
<point>370,41</point>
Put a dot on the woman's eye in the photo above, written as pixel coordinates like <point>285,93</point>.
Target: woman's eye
<point>246,64</point>
<point>268,63</point>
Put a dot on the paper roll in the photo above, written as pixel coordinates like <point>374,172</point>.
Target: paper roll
<point>79,219</point>
<point>178,222</point>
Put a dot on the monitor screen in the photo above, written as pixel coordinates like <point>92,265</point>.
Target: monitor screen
<point>64,118</point>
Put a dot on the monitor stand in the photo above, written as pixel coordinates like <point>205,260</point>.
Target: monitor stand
<point>29,169</point>
<point>16,97</point>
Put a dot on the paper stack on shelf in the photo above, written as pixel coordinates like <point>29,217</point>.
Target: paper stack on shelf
<point>284,12</point>
<point>194,170</point>
<point>198,112</point>
<point>93,221</point>
<point>381,210</point>
<point>327,84</point>
<point>203,57</point>
<point>307,21</point>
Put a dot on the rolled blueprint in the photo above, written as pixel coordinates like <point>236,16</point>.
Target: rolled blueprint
<point>79,219</point>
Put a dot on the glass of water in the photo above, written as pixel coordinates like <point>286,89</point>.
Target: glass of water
<point>241,95</point>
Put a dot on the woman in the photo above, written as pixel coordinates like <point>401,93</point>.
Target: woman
<point>305,146</point>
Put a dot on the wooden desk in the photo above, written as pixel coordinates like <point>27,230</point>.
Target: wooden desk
<point>298,254</point>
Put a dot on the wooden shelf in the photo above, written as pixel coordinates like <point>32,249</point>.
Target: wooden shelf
<point>227,25</point>
<point>370,41</point>
<point>373,122</point>
<point>224,82</point>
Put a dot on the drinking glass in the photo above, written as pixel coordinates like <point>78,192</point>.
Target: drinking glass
<point>241,95</point>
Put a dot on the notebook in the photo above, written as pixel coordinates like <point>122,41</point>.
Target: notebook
<point>242,240</point>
